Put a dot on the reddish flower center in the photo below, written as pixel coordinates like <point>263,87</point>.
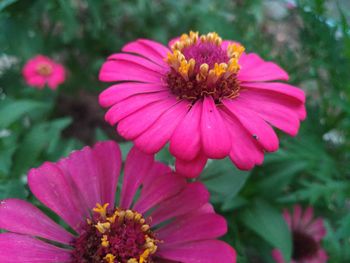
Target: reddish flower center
<point>120,236</point>
<point>304,246</point>
<point>199,67</point>
<point>44,69</point>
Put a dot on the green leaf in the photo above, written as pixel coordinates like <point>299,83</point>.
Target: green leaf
<point>35,141</point>
<point>13,110</point>
<point>269,224</point>
<point>223,180</point>
<point>13,189</point>
<point>5,3</point>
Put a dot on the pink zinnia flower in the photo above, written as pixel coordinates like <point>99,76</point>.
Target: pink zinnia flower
<point>159,216</point>
<point>307,233</point>
<point>204,95</point>
<point>42,70</point>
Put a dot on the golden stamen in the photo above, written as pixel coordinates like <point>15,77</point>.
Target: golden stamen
<point>104,241</point>
<point>103,227</point>
<point>102,210</point>
<point>109,258</point>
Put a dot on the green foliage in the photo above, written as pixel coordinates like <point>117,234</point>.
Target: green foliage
<point>311,41</point>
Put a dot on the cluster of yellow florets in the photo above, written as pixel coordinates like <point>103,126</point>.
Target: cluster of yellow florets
<point>185,67</point>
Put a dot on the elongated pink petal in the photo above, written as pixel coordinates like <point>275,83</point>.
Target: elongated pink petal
<point>245,152</point>
<point>136,123</point>
<point>296,216</point>
<point>119,92</point>
<point>215,138</point>
<point>109,160</point>
<point>148,49</point>
<point>162,187</point>
<point>193,168</point>
<point>162,129</point>
<point>277,114</point>
<point>84,172</point>
<point>192,197</point>
<point>254,69</point>
<point>207,251</point>
<point>157,169</point>
<point>256,126</point>
<point>185,142</point>
<point>138,60</point>
<point>19,248</point>
<point>50,186</point>
<point>307,216</point>
<point>275,101</point>
<point>137,165</point>
<point>193,228</point>
<point>132,104</point>
<point>281,88</point>
<point>24,218</point>
<point>138,69</point>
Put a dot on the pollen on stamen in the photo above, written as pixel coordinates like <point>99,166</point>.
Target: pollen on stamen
<point>115,236</point>
<point>199,67</point>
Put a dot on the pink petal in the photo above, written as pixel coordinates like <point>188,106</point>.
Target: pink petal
<point>215,137</point>
<point>256,126</point>
<point>277,256</point>
<point>36,81</point>
<point>156,170</point>
<point>133,125</point>
<point>317,229</point>
<point>148,49</point>
<point>109,160</point>
<point>82,168</point>
<point>193,228</point>
<point>245,152</point>
<point>132,104</point>
<point>193,168</point>
<point>119,92</point>
<point>185,141</point>
<point>192,197</point>
<point>307,216</point>
<point>137,165</point>
<point>49,185</point>
<point>162,188</point>
<point>254,69</point>
<point>138,60</point>
<point>281,88</point>
<point>24,218</point>
<point>18,248</point>
<point>275,101</point>
<point>162,129</point>
<point>277,115</point>
<point>134,69</point>
<point>207,251</point>
<point>296,216</point>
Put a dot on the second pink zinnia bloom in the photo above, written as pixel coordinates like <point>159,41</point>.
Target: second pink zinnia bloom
<point>204,95</point>
<point>159,217</point>
<point>41,70</point>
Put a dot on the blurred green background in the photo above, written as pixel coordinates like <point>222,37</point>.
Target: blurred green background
<point>310,39</point>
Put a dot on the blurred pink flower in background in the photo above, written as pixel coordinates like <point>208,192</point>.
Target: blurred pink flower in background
<point>205,96</point>
<point>307,233</point>
<point>41,70</point>
<point>159,216</point>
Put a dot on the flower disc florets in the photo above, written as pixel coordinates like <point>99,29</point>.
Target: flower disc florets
<point>304,246</point>
<point>200,66</point>
<point>119,236</point>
